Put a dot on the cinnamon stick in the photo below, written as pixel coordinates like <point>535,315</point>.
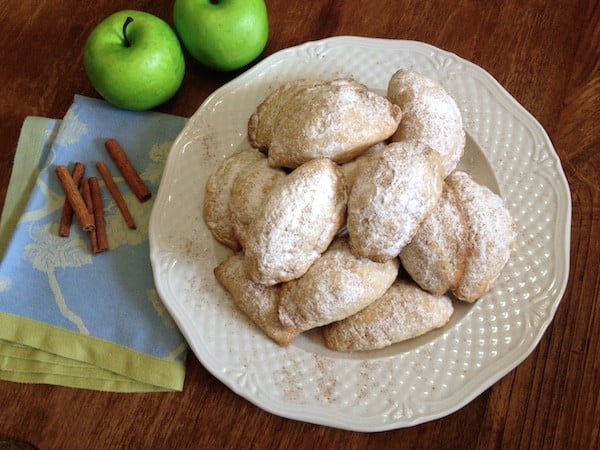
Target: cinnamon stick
<point>87,198</point>
<point>101,237</point>
<point>116,193</point>
<point>86,219</point>
<point>124,165</point>
<point>66,216</point>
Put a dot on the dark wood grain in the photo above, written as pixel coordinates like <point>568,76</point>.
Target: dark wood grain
<point>545,53</point>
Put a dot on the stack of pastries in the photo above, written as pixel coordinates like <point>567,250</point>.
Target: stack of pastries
<point>347,214</point>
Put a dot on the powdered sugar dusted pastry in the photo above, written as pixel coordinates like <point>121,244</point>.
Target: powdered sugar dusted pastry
<point>435,257</point>
<point>337,285</point>
<point>297,223</point>
<point>248,194</point>
<point>430,115</point>
<point>403,312</point>
<point>491,234</point>
<point>336,119</point>
<point>216,210</point>
<point>257,301</point>
<point>393,193</point>
<point>264,119</point>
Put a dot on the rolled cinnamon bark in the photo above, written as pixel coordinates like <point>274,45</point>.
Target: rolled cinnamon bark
<point>66,216</point>
<point>87,198</point>
<point>85,218</point>
<point>101,236</point>
<point>126,168</point>
<point>116,193</point>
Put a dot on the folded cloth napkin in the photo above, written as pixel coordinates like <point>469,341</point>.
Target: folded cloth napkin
<point>68,317</point>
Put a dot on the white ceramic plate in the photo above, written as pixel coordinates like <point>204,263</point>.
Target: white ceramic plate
<point>411,382</point>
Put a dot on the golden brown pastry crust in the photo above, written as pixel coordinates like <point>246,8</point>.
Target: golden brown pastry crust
<point>257,301</point>
<point>403,312</point>
<point>297,223</point>
<point>216,208</point>
<point>435,257</point>
<point>491,234</point>
<point>337,285</point>
<point>396,189</point>
<point>430,115</point>
<point>336,119</point>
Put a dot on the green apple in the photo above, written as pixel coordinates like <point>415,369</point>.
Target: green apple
<point>222,34</point>
<point>134,60</point>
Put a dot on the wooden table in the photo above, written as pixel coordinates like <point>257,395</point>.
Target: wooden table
<point>546,55</point>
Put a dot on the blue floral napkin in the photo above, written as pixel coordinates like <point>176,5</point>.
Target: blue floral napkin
<point>68,317</point>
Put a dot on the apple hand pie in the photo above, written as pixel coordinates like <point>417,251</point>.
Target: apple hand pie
<point>336,119</point>
<point>337,285</point>
<point>430,115</point>
<point>297,223</point>
<point>435,257</point>
<point>403,312</point>
<point>491,233</point>
<point>395,190</point>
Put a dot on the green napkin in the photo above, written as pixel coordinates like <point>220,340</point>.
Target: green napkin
<point>36,137</point>
<point>115,334</point>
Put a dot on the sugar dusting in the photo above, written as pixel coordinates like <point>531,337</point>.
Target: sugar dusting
<point>216,207</point>
<point>435,257</point>
<point>337,285</point>
<point>248,195</point>
<point>394,192</point>
<point>403,312</point>
<point>336,119</point>
<point>298,222</point>
<point>431,115</point>
<point>491,231</point>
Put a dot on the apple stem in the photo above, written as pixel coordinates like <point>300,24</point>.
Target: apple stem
<point>125,39</point>
<point>215,2</point>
